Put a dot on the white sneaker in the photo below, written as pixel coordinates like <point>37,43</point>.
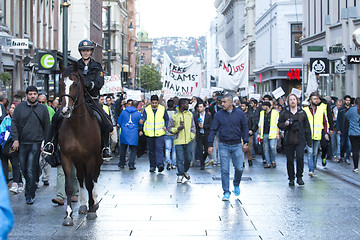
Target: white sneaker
<point>186,175</point>
<point>356,170</point>
<point>14,188</point>
<point>21,187</point>
<point>180,179</point>
<point>311,174</point>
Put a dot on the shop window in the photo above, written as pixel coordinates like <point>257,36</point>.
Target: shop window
<point>296,33</point>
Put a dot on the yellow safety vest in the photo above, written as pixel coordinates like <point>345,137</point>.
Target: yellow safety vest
<point>106,109</point>
<point>316,122</point>
<point>154,123</point>
<point>273,124</point>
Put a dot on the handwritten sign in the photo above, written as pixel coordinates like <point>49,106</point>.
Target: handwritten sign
<point>112,84</point>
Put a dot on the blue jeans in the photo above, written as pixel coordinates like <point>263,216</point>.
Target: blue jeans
<point>170,153</point>
<point>312,155</point>
<point>345,146</point>
<point>156,151</point>
<point>235,153</point>
<point>183,157</point>
<point>269,148</point>
<point>29,163</point>
<point>335,144</point>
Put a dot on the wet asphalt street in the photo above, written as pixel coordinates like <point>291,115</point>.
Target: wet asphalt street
<point>142,205</point>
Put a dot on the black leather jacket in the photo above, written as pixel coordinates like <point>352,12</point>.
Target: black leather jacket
<point>94,74</point>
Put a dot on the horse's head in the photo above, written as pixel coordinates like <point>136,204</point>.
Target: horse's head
<point>71,89</point>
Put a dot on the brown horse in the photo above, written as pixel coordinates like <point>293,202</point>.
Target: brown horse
<point>80,143</point>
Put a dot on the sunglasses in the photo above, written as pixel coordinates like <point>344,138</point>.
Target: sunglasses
<point>41,102</point>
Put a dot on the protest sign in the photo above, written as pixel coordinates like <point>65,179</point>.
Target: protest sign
<point>181,81</point>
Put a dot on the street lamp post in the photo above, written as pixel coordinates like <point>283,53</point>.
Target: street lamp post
<point>65,32</point>
<point>108,40</point>
<point>130,27</point>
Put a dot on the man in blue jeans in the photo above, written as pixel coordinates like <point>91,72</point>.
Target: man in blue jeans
<point>231,125</point>
<point>29,127</point>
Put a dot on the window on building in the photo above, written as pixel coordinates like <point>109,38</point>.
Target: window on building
<point>296,33</point>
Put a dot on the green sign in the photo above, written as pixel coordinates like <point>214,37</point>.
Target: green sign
<point>315,48</point>
<point>46,60</point>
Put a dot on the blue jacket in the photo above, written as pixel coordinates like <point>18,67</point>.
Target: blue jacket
<point>5,127</point>
<point>354,121</point>
<point>231,127</point>
<point>6,214</point>
<point>128,122</point>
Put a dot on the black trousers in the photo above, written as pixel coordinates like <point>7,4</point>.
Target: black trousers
<point>355,148</point>
<point>290,151</point>
<point>202,146</point>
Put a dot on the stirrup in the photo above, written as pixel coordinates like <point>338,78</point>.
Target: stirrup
<point>47,146</point>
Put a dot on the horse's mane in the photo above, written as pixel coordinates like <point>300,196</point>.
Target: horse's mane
<point>69,70</point>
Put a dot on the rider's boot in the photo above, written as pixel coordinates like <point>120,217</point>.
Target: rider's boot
<point>51,140</point>
<point>106,150</point>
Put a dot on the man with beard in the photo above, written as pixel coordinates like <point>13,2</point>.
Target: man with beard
<point>29,127</point>
<point>342,127</point>
<point>317,117</point>
<point>294,122</point>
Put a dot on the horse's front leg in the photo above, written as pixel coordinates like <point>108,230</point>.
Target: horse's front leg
<point>66,164</point>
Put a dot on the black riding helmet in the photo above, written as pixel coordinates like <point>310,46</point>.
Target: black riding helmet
<point>86,44</point>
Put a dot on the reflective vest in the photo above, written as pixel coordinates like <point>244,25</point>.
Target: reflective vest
<point>273,124</point>
<point>106,109</point>
<point>153,126</point>
<point>316,121</point>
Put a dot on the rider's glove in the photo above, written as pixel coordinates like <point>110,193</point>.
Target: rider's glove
<point>89,85</point>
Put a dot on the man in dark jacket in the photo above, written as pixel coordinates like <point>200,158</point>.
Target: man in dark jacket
<point>293,120</point>
<point>342,127</point>
<point>252,125</point>
<point>203,121</point>
<point>231,125</point>
<point>29,127</point>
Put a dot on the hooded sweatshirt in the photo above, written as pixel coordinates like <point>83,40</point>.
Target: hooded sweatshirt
<point>128,122</point>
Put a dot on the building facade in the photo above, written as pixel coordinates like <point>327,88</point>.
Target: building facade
<point>278,59</point>
<point>328,28</point>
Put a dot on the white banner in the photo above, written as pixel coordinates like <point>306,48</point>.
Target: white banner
<point>205,92</point>
<point>134,95</point>
<point>279,92</point>
<point>234,72</point>
<point>112,84</point>
<point>181,81</point>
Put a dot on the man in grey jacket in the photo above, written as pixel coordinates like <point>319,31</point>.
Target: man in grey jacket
<point>29,127</point>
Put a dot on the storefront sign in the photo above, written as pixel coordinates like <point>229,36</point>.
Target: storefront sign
<point>293,74</point>
<point>353,59</point>
<point>20,44</point>
<point>319,65</point>
<point>340,66</point>
<point>46,60</point>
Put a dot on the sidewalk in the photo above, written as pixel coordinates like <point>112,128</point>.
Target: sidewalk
<point>143,205</point>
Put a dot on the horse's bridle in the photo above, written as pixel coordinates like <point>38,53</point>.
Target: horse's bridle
<point>75,104</point>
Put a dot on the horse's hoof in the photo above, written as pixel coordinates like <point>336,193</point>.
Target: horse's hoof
<point>91,215</point>
<point>83,209</point>
<point>68,222</point>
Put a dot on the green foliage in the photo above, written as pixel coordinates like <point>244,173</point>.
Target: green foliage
<point>6,78</point>
<point>150,78</point>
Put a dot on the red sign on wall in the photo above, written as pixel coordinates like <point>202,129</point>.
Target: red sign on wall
<point>293,74</point>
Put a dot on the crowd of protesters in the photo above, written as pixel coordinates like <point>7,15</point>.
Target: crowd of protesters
<point>177,132</point>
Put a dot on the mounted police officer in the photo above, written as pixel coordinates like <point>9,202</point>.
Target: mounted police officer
<point>93,81</point>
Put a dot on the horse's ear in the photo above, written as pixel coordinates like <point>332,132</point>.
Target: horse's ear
<point>61,66</point>
<point>75,67</point>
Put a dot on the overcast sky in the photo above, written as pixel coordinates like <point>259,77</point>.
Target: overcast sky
<point>183,18</point>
